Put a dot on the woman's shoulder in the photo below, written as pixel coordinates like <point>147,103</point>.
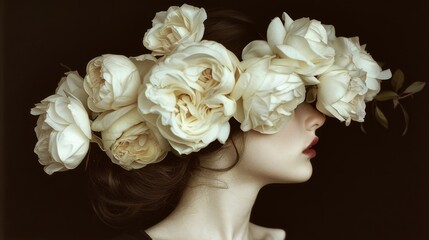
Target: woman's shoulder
<point>265,233</point>
<point>137,235</point>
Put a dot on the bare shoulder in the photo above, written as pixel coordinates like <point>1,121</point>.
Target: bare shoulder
<point>264,233</point>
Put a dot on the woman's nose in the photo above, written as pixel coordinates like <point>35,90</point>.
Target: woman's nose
<point>313,118</point>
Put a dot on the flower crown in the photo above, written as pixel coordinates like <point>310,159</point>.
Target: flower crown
<point>181,97</point>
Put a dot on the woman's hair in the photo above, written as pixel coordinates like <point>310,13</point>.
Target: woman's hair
<point>119,196</point>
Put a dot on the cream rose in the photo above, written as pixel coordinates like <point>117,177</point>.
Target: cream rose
<point>112,81</point>
<point>63,132</point>
<point>187,95</point>
<point>175,26</point>
<point>303,45</point>
<point>72,84</point>
<point>352,56</point>
<point>341,94</point>
<point>266,96</point>
<point>144,63</point>
<point>130,141</point>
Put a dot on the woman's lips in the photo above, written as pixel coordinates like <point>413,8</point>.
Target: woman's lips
<point>309,151</point>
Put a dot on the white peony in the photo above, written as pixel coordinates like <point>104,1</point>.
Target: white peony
<point>303,45</point>
<point>341,94</point>
<point>129,141</point>
<point>266,96</point>
<point>63,132</point>
<point>352,56</point>
<point>175,26</point>
<point>187,95</point>
<point>111,81</point>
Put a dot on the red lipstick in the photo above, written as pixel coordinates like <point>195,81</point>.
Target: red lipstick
<point>309,151</point>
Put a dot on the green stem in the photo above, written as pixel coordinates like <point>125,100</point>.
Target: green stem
<point>404,96</point>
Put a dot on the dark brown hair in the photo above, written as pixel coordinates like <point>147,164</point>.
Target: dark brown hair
<point>119,196</point>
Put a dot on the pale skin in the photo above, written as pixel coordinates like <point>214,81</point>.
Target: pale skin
<point>217,205</point>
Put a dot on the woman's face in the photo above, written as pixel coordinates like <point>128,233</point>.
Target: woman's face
<point>283,157</point>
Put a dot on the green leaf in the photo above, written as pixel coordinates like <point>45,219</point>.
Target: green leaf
<point>386,95</point>
<point>406,119</point>
<point>381,118</point>
<point>397,80</point>
<point>415,87</point>
<point>395,103</point>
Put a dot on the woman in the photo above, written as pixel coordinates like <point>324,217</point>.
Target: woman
<point>221,209</point>
<point>191,129</point>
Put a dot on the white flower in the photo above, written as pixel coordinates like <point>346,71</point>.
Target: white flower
<point>175,26</point>
<point>330,32</point>
<point>112,81</point>
<point>63,132</point>
<point>303,45</point>
<point>266,96</point>
<point>352,56</point>
<point>130,141</point>
<point>144,63</point>
<point>187,95</point>
<point>341,94</point>
<point>72,84</point>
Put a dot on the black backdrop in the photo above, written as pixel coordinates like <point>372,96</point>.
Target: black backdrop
<point>365,186</point>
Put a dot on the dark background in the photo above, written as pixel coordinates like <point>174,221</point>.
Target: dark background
<point>365,186</point>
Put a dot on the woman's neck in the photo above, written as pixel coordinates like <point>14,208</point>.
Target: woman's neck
<point>218,209</point>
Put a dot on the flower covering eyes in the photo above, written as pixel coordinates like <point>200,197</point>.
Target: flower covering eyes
<point>353,80</point>
<point>266,96</point>
<point>340,74</point>
<point>182,95</point>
